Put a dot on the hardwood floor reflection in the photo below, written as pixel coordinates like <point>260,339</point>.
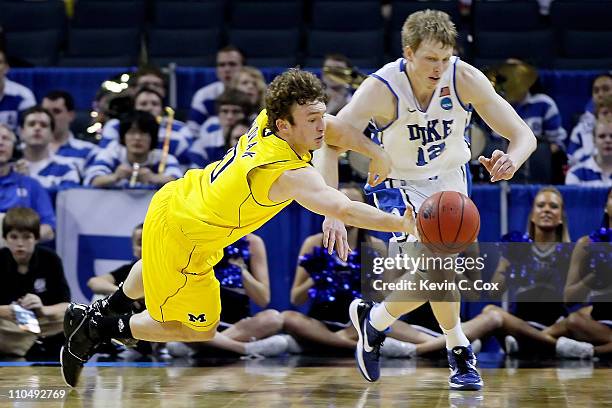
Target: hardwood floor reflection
<point>278,383</point>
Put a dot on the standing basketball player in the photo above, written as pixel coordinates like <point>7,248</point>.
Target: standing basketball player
<point>421,106</point>
<point>191,220</point>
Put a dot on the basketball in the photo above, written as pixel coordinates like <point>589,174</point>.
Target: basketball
<point>448,222</point>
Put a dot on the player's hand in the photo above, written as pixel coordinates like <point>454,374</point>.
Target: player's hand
<point>500,166</point>
<point>30,302</point>
<point>409,225</point>
<point>380,167</point>
<point>334,233</point>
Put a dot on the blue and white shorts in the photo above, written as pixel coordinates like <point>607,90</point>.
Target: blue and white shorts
<point>395,196</point>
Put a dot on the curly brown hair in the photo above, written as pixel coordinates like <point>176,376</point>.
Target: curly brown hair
<point>292,86</point>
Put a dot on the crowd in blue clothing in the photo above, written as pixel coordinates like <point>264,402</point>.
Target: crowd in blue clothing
<point>46,156</point>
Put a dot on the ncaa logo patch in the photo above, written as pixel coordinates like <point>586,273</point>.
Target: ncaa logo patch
<point>446,103</point>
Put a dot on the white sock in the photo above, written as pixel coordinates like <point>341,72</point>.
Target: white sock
<point>455,337</point>
<point>380,319</point>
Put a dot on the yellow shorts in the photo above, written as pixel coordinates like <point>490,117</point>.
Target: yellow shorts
<point>178,277</point>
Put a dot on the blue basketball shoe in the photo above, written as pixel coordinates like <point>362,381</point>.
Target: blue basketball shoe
<point>367,353</point>
<point>464,375</point>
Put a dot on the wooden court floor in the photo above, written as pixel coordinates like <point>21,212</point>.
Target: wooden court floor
<point>286,383</point>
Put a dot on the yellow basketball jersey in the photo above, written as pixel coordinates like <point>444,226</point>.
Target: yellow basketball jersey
<point>228,199</point>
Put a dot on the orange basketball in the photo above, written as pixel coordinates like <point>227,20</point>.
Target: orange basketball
<point>448,222</point>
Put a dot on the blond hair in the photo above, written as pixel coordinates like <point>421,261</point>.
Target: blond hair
<point>260,82</point>
<point>428,25</point>
<point>605,103</point>
<point>561,232</point>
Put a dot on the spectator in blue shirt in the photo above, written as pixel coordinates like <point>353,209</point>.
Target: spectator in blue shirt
<point>251,81</point>
<point>514,81</point>
<point>133,162</point>
<point>229,61</point>
<point>52,171</point>
<point>14,98</point>
<point>580,144</point>
<point>232,107</point>
<point>596,171</point>
<point>149,100</point>
<point>64,143</point>
<point>17,190</point>
<point>150,77</point>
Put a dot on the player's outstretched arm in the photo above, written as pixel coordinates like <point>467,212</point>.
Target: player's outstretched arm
<point>345,132</point>
<point>342,136</point>
<point>373,101</point>
<point>325,160</point>
<point>307,187</point>
<point>474,88</point>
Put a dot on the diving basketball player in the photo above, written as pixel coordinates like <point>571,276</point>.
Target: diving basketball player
<point>191,220</point>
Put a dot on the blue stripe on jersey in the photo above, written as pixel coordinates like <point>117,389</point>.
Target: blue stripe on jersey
<point>552,124</point>
<point>532,109</point>
<point>57,176</point>
<point>198,159</point>
<point>468,107</point>
<point>467,173</point>
<point>214,127</point>
<point>209,104</point>
<point>107,161</point>
<point>396,100</point>
<point>11,102</point>
<point>104,142</point>
<point>197,117</point>
<point>585,174</point>
<point>535,107</point>
<point>69,151</point>
<point>56,169</point>
<point>573,146</point>
<point>9,111</point>
<point>388,198</point>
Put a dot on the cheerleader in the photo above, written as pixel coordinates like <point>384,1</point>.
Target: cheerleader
<point>590,278</point>
<point>529,326</point>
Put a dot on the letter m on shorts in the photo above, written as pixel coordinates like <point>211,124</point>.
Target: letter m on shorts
<point>199,318</point>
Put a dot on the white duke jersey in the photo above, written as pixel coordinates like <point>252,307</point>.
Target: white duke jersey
<point>424,143</point>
